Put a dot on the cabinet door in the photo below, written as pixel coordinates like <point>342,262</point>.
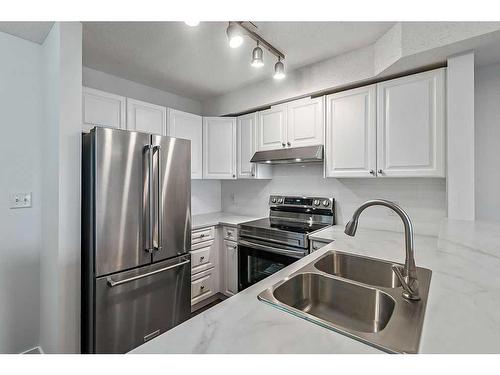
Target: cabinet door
<point>101,108</point>
<point>231,267</point>
<point>305,122</point>
<point>410,126</point>
<point>351,133</point>
<point>246,145</point>
<point>146,117</point>
<point>188,126</point>
<point>271,131</point>
<point>219,148</point>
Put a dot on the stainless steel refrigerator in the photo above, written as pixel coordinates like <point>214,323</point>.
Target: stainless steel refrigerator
<point>136,236</point>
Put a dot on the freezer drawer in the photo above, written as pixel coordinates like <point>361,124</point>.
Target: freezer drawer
<point>135,306</point>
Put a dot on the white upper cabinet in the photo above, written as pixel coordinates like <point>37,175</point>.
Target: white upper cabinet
<point>410,126</point>
<point>146,117</point>
<point>219,148</point>
<point>246,146</point>
<point>271,130</point>
<point>189,126</point>
<point>305,122</point>
<point>100,108</point>
<point>351,133</point>
<point>294,124</point>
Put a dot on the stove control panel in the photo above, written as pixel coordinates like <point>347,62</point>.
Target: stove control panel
<point>301,202</point>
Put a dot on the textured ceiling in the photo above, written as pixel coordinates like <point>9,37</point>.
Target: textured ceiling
<point>198,63</point>
<point>32,31</point>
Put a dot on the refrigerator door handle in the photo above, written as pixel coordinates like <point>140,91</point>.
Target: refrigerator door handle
<point>113,283</point>
<point>157,149</point>
<point>149,228</point>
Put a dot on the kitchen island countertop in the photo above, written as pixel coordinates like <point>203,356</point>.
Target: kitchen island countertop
<point>461,317</point>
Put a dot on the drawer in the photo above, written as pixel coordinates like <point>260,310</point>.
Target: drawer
<point>204,234</point>
<point>202,288</point>
<point>230,233</point>
<point>316,245</point>
<point>202,258</point>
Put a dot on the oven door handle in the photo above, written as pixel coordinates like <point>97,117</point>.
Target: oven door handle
<point>291,253</point>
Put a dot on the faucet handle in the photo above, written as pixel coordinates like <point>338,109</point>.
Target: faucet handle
<point>409,284</point>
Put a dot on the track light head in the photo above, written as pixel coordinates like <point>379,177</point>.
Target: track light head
<point>257,57</point>
<point>234,35</point>
<point>279,70</point>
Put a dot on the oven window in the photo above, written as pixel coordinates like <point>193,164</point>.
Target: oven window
<point>255,265</point>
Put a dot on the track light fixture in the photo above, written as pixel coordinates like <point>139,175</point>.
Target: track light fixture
<point>257,57</point>
<point>234,35</point>
<point>279,70</point>
<point>237,30</point>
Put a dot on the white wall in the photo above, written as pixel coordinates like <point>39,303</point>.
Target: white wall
<point>61,147</point>
<point>487,138</point>
<point>120,86</point>
<point>21,111</point>
<point>205,196</point>
<point>460,136</point>
<point>424,199</point>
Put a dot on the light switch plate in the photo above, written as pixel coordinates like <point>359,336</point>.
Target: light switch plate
<point>20,200</point>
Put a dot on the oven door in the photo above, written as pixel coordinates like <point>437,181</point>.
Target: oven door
<point>258,260</point>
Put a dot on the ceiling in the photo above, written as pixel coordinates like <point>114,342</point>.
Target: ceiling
<point>32,31</point>
<point>197,62</point>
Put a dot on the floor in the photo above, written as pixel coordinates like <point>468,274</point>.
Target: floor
<point>206,307</point>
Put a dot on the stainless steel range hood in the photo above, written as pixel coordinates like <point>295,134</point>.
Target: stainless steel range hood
<point>309,154</point>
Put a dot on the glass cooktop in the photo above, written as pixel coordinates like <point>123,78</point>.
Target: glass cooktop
<point>284,225</point>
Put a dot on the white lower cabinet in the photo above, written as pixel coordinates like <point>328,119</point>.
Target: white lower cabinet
<point>202,286</point>
<point>231,268</point>
<point>204,264</point>
<point>203,256</point>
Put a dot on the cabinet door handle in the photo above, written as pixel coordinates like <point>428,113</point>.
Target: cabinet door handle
<point>288,143</point>
<point>372,172</point>
<point>283,145</point>
<point>380,171</point>
<point>234,175</point>
<point>234,247</point>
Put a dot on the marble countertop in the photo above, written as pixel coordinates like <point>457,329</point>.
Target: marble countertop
<point>223,218</point>
<point>462,311</point>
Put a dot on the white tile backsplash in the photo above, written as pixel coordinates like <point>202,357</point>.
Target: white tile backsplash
<point>205,196</point>
<point>423,198</point>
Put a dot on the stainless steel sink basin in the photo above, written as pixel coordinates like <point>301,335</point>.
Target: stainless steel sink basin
<point>357,296</point>
<point>348,305</point>
<point>365,270</point>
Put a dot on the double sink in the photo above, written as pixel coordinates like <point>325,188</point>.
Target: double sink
<point>358,296</point>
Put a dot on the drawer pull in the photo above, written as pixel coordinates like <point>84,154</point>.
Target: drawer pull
<point>202,287</point>
<point>201,258</point>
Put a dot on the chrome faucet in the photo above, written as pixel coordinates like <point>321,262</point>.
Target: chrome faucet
<point>408,276</point>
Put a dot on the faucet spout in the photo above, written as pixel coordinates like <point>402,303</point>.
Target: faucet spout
<point>408,277</point>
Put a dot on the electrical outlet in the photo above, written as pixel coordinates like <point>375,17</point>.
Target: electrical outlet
<point>20,200</point>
